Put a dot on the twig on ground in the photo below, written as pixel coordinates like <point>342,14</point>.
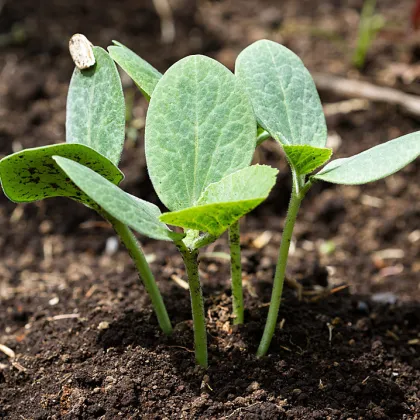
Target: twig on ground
<point>346,107</point>
<point>238,410</point>
<point>19,367</point>
<point>64,316</point>
<point>7,351</point>
<point>180,282</point>
<point>180,347</point>
<point>365,90</point>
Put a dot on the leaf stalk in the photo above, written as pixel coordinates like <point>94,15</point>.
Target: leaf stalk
<point>190,258</point>
<point>262,137</point>
<point>270,326</point>
<point>236,273</point>
<point>201,241</point>
<point>129,240</point>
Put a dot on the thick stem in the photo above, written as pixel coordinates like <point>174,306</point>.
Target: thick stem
<point>273,311</point>
<point>136,253</point>
<point>236,274</point>
<point>197,304</point>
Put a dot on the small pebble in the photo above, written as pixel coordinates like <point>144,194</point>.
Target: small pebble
<point>385,297</point>
<point>53,301</point>
<point>363,307</point>
<point>104,325</point>
<point>253,386</point>
<point>111,246</point>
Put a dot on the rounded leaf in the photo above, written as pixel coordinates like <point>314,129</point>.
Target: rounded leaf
<point>283,94</point>
<point>96,108</point>
<point>200,127</point>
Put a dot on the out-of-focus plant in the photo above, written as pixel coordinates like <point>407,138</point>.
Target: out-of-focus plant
<point>369,26</point>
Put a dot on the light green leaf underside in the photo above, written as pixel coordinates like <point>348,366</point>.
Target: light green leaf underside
<point>226,201</point>
<point>373,164</point>
<point>144,75</point>
<point>132,211</point>
<point>96,109</point>
<point>32,174</point>
<point>283,94</point>
<point>248,183</point>
<point>304,159</point>
<point>200,127</point>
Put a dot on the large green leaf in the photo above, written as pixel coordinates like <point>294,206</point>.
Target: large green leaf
<point>226,201</point>
<point>373,164</point>
<point>32,174</point>
<point>283,94</point>
<point>132,211</point>
<point>304,159</point>
<point>200,127</point>
<point>145,76</point>
<point>96,109</point>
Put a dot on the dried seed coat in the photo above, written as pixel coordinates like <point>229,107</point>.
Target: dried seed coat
<point>81,51</point>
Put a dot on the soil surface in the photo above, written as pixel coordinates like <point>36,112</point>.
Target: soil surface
<point>85,339</point>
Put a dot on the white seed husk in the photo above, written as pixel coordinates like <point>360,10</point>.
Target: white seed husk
<point>81,51</point>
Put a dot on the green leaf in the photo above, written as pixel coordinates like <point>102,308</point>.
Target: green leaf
<point>145,76</point>
<point>304,159</point>
<point>226,201</point>
<point>373,164</point>
<point>283,94</point>
<point>200,127</point>
<point>132,211</point>
<point>32,174</point>
<point>96,109</point>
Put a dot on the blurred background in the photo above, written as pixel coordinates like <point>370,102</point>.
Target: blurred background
<point>367,236</point>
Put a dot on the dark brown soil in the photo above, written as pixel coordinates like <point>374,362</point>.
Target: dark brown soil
<point>86,341</point>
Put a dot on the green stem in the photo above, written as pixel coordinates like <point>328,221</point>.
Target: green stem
<point>202,240</point>
<point>273,311</point>
<point>197,304</point>
<point>136,253</point>
<point>236,274</point>
<point>262,137</point>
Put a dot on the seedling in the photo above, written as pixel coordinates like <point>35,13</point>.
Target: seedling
<point>369,26</point>
<point>95,135</point>
<point>146,77</point>
<point>287,106</point>
<point>200,138</point>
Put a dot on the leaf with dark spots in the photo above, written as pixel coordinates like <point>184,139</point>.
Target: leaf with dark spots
<point>32,174</point>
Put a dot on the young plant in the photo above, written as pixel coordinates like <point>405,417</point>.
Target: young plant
<point>370,24</point>
<point>200,139</point>
<point>94,138</point>
<point>288,107</point>
<point>146,77</point>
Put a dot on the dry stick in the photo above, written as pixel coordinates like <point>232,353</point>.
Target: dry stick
<point>358,89</point>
